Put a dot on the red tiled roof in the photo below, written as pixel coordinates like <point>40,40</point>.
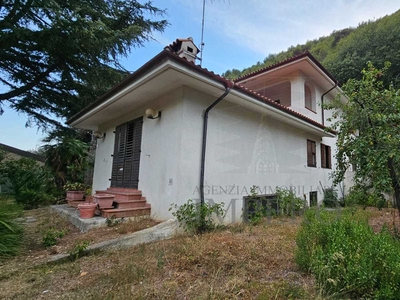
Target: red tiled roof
<point>168,53</point>
<point>286,61</point>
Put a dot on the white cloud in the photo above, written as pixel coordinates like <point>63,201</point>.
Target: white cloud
<point>272,26</point>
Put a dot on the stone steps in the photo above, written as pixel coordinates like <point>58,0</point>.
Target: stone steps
<point>136,195</point>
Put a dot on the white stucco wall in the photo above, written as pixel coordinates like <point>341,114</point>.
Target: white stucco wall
<point>238,140</point>
<point>159,160</point>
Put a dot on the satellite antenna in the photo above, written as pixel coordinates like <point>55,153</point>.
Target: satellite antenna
<point>202,33</point>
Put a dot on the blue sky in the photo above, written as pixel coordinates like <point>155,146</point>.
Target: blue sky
<point>237,34</point>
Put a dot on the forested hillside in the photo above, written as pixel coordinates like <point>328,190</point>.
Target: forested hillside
<point>345,52</point>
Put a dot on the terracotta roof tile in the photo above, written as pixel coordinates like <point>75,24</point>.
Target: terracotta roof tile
<point>168,52</point>
<point>288,60</point>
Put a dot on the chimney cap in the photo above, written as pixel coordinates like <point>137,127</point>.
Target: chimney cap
<point>177,44</point>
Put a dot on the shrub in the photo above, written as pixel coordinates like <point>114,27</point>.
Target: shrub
<point>347,257</point>
<point>289,204</point>
<point>10,231</point>
<point>330,198</point>
<point>51,237</point>
<point>196,218</point>
<point>286,203</point>
<point>32,185</point>
<point>362,196</point>
<point>75,186</point>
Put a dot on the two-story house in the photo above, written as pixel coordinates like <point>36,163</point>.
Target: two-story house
<point>176,131</point>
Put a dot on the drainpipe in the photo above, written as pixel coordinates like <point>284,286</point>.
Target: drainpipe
<point>204,145</point>
<point>322,102</point>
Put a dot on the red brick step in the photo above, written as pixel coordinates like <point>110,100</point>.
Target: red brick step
<point>120,195</point>
<point>125,212</point>
<point>130,203</point>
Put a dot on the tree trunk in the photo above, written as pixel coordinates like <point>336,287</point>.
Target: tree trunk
<point>395,183</point>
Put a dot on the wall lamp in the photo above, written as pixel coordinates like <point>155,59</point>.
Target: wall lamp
<point>152,114</point>
<point>99,135</point>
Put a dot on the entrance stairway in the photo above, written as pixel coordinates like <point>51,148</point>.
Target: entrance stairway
<point>127,203</point>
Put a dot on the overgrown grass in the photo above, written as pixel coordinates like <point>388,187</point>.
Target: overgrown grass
<point>10,231</point>
<point>238,262</point>
<point>346,257</point>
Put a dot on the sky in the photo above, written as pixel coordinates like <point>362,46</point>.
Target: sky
<point>237,35</point>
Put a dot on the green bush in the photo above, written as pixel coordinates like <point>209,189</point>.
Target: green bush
<point>330,198</point>
<point>196,218</point>
<point>10,231</point>
<point>289,203</point>
<point>346,257</point>
<point>32,185</point>
<point>51,237</point>
<point>258,207</point>
<point>359,195</point>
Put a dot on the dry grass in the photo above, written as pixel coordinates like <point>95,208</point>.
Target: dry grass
<point>33,251</point>
<point>240,262</point>
<point>388,217</point>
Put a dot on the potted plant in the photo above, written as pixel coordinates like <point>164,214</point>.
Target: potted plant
<point>87,210</point>
<point>75,190</point>
<point>88,195</point>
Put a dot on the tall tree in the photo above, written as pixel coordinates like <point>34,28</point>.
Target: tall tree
<point>368,133</point>
<point>56,56</point>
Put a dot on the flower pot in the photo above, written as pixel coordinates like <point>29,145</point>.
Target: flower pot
<point>104,200</point>
<point>87,210</point>
<point>75,195</point>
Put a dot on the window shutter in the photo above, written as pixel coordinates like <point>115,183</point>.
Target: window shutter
<point>323,156</point>
<point>309,153</point>
<point>328,155</point>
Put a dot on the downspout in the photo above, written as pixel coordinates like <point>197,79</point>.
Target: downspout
<point>204,145</point>
<point>322,101</point>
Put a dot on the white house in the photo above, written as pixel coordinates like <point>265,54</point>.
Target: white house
<point>266,129</point>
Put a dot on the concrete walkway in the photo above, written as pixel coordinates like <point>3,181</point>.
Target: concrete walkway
<point>162,231</point>
<point>84,225</point>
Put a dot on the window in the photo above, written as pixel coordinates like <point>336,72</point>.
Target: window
<point>313,199</point>
<point>326,156</point>
<point>311,154</point>
<point>266,205</point>
<point>309,97</point>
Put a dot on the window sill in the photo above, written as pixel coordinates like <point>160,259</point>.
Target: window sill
<point>311,110</point>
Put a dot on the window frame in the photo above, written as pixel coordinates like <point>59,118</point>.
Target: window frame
<point>313,102</point>
<point>326,156</point>
<point>311,153</point>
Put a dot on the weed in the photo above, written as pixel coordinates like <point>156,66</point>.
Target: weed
<point>196,218</point>
<point>78,250</point>
<point>289,203</point>
<point>10,231</point>
<point>113,221</point>
<point>51,237</point>
<point>347,257</point>
<point>160,259</point>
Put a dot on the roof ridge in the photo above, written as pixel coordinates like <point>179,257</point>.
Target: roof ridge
<point>294,57</point>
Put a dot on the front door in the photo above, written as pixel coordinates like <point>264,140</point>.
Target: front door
<point>126,158</point>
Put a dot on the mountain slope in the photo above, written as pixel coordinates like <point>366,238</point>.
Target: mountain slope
<point>345,52</point>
